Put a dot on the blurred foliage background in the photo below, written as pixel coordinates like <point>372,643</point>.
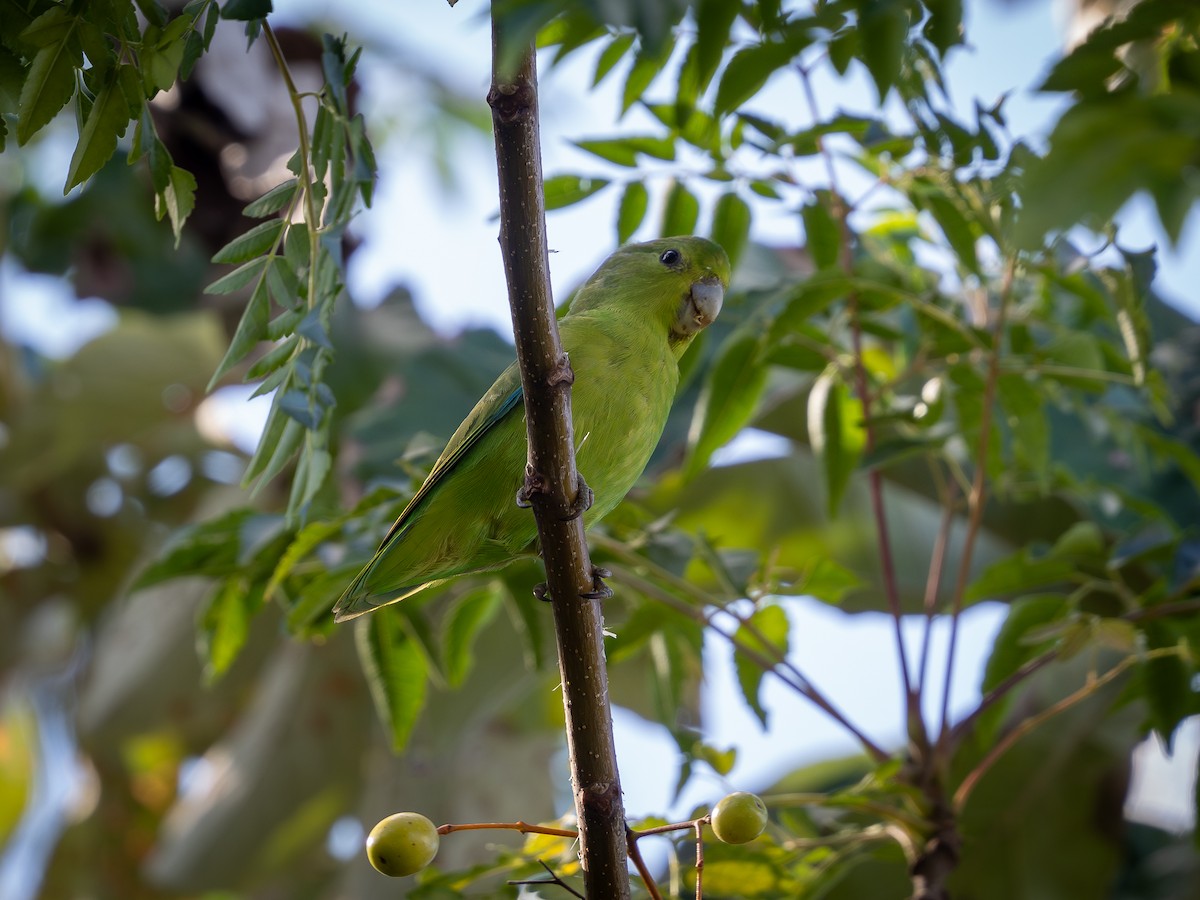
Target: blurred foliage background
<point>180,717</point>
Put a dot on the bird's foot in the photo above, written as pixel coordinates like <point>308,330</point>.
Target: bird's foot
<point>584,498</point>
<point>600,590</point>
<point>534,484</point>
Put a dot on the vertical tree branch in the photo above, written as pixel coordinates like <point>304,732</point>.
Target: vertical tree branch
<point>552,481</point>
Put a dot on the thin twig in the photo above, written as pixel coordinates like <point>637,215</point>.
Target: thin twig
<point>933,581</point>
<point>999,692</point>
<point>874,478</point>
<point>700,859</point>
<point>1021,675</point>
<point>977,497</point>
<point>1027,725</point>
<point>667,829</point>
<point>523,827</point>
<point>640,864</point>
<point>554,879</point>
<point>775,667</point>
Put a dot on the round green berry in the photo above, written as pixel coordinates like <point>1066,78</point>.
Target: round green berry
<point>402,844</point>
<point>739,817</point>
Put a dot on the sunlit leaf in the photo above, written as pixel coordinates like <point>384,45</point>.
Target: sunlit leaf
<point>466,618</point>
<point>766,633</point>
<point>396,673</point>
<point>680,212</point>
<point>731,225</point>
<point>632,210</point>
<point>567,190</point>
<point>729,398</point>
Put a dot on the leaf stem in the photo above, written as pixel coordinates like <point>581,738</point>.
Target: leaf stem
<point>977,497</point>
<point>1094,683</point>
<point>780,667</point>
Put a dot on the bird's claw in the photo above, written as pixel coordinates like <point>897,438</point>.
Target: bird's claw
<point>600,590</point>
<point>584,498</point>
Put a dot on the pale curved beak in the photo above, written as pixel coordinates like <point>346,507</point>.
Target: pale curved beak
<point>702,306</point>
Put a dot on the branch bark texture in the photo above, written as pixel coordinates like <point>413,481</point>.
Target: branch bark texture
<point>552,481</point>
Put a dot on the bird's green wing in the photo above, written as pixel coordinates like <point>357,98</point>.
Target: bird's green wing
<point>483,418</point>
<point>501,400</point>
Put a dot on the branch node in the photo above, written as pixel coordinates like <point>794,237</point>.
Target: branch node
<point>535,483</point>
<point>511,103</point>
<point>600,797</point>
<point>562,373</point>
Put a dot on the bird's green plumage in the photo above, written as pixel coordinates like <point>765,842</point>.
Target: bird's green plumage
<point>624,334</point>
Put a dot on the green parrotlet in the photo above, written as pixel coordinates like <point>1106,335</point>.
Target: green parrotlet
<point>625,332</point>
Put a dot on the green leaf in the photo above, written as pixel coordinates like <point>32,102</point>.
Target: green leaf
<point>944,27</point>
<point>296,404</point>
<point>51,79</point>
<point>680,213</point>
<point>714,23</point>
<point>396,672</point>
<point>1015,645</point>
<point>106,121</point>
<point>467,616</point>
<point>245,10</point>
<point>836,433</point>
<point>211,548</point>
<point>275,450</point>
<point>225,624</point>
<point>729,398</point>
<point>646,66</point>
<point>1025,409</point>
<point>883,32</point>
<point>153,11</point>
<point>959,232</point>
<point>251,244</point>
<point>1021,573</point>
<point>307,539</point>
<point>53,26</point>
<point>567,190</point>
<point>731,225</point>
<point>766,633</point>
<point>624,151</point>
<point>1167,684</point>
<point>822,234</point>
<point>722,761</point>
<point>239,277</point>
<point>273,200</point>
<point>632,210</point>
<point>251,329</point>
<point>611,55</point>
<point>176,201</point>
<point>750,68</point>
<point>162,54</point>
<point>1097,161</point>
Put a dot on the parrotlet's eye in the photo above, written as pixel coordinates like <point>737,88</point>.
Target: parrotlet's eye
<point>670,258</point>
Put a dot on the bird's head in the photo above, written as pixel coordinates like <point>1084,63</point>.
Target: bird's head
<point>679,282</point>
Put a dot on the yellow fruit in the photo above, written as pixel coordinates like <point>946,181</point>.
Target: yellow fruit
<point>402,844</point>
<point>739,817</point>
